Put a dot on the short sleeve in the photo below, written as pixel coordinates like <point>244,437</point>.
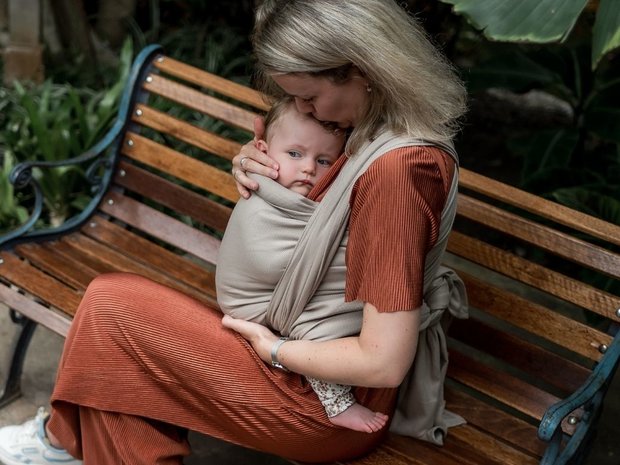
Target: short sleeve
<point>396,208</point>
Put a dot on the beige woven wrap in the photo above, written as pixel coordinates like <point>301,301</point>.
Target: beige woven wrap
<point>282,264</point>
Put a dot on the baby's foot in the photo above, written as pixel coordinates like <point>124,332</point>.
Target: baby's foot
<point>359,418</point>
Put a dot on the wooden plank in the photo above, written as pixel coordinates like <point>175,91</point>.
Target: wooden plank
<point>206,104</point>
<point>142,250</point>
<point>475,441</point>
<point>39,284</point>
<point>52,320</point>
<point>556,242</point>
<point>67,249</point>
<point>211,81</point>
<point>534,275</point>
<point>181,166</point>
<point>484,449</point>
<point>123,263</point>
<point>507,389</point>
<point>397,451</point>
<point>161,226</point>
<point>430,454</point>
<point>46,257</point>
<point>540,363</point>
<point>186,132</point>
<point>173,196</point>
<point>540,206</point>
<point>528,315</point>
<point>495,422</point>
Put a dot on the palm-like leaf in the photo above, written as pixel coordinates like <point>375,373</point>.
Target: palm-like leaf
<point>541,21</point>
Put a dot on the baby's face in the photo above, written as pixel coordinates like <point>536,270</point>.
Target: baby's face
<point>304,150</point>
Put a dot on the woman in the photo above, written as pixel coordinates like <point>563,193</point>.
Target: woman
<point>132,381</point>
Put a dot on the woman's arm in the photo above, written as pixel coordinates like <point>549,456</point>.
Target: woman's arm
<point>379,357</point>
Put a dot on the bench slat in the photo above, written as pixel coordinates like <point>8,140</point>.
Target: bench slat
<point>473,440</point>
<point>211,81</point>
<point>93,249</point>
<point>556,242</point>
<point>181,166</point>
<point>534,275</point>
<point>508,389</point>
<point>463,445</point>
<point>540,206</point>
<point>39,284</point>
<point>144,251</point>
<point>186,132</point>
<point>206,104</point>
<point>161,226</point>
<point>495,422</point>
<point>527,315</point>
<point>173,196</point>
<point>49,258</point>
<point>57,322</point>
<point>551,368</point>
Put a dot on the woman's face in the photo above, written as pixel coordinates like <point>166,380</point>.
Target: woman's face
<point>343,104</point>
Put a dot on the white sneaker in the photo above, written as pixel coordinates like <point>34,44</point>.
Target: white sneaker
<point>27,444</point>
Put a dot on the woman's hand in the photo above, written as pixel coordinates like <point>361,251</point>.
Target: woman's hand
<point>253,160</point>
<point>261,338</point>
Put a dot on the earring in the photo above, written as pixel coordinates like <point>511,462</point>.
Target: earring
<point>368,88</point>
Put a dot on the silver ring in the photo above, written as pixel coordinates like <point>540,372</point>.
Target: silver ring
<point>243,159</point>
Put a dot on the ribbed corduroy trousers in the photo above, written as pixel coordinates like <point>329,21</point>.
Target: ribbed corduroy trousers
<point>143,363</point>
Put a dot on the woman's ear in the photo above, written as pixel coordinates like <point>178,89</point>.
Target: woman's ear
<point>262,145</point>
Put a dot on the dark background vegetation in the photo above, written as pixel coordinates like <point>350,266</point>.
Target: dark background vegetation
<point>539,115</point>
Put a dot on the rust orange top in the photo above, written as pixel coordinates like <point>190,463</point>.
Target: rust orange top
<point>395,211</point>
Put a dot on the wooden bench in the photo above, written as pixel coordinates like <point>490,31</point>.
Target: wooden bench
<point>528,371</point>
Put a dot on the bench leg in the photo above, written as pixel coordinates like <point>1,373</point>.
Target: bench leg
<point>16,356</point>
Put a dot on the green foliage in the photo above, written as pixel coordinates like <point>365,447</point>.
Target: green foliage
<point>11,213</point>
<point>53,122</point>
<point>542,21</point>
<point>576,164</point>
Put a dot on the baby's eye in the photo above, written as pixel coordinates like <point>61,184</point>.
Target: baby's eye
<point>324,162</point>
<point>294,154</point>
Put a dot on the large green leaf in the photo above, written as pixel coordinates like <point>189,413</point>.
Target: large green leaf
<point>539,21</point>
<point>606,32</point>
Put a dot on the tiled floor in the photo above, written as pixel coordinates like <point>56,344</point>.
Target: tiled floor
<point>45,351</point>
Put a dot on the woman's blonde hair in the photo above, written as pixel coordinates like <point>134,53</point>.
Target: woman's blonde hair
<point>278,110</point>
<point>414,90</point>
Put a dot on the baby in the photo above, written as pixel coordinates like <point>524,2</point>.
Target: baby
<point>305,150</point>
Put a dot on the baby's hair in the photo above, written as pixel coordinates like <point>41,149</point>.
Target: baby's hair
<point>279,107</point>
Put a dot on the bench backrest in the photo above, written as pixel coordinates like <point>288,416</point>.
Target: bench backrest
<point>173,183</point>
<point>537,328</point>
<point>536,274</point>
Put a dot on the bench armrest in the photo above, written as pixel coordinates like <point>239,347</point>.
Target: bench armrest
<point>589,397</point>
<point>102,156</point>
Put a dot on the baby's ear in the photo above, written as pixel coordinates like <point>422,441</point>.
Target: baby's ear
<point>262,145</point>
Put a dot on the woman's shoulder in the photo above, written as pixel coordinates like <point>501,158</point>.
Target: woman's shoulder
<point>430,164</point>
